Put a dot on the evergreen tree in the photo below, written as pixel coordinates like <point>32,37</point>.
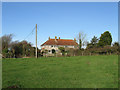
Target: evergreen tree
<point>94,41</point>
<point>105,39</point>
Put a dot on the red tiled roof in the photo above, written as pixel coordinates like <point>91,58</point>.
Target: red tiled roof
<point>60,42</point>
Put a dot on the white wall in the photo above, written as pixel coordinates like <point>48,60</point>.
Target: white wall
<point>49,47</point>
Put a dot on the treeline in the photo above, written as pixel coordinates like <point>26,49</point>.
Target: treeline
<point>97,46</point>
<point>16,49</point>
<point>106,50</point>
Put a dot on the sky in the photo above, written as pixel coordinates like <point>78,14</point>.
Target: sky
<point>61,19</point>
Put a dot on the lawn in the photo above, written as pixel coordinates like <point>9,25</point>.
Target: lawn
<point>61,72</point>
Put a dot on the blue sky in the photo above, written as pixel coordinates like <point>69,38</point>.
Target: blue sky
<point>64,19</point>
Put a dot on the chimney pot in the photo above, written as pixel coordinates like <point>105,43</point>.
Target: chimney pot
<point>59,37</point>
<point>55,37</point>
<point>49,38</point>
<point>75,39</point>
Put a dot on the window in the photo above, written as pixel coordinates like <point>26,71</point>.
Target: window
<point>53,50</point>
<point>49,51</point>
<point>65,46</point>
<point>52,46</point>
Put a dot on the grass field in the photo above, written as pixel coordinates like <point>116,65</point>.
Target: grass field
<point>61,72</point>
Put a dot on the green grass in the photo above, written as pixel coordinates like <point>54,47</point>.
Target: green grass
<point>61,72</point>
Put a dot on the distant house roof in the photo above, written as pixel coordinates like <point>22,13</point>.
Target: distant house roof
<point>60,42</point>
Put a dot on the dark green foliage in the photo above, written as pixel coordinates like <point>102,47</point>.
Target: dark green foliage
<point>116,44</point>
<point>105,39</point>
<point>116,48</point>
<point>89,45</point>
<point>62,49</point>
<point>16,49</point>
<point>95,47</point>
<point>5,52</point>
<point>94,41</point>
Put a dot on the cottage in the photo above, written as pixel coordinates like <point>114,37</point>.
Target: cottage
<point>52,45</point>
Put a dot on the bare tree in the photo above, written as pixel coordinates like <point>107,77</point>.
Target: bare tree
<point>81,38</point>
<point>6,41</point>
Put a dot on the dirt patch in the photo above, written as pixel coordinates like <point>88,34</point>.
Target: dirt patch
<point>14,86</point>
<point>88,63</point>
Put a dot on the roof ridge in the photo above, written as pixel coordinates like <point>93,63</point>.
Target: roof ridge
<point>60,42</point>
<point>61,39</point>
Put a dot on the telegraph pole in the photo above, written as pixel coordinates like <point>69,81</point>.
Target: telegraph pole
<point>36,40</point>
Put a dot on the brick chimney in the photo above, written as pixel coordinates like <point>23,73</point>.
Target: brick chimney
<point>55,38</point>
<point>49,38</point>
<point>75,39</point>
